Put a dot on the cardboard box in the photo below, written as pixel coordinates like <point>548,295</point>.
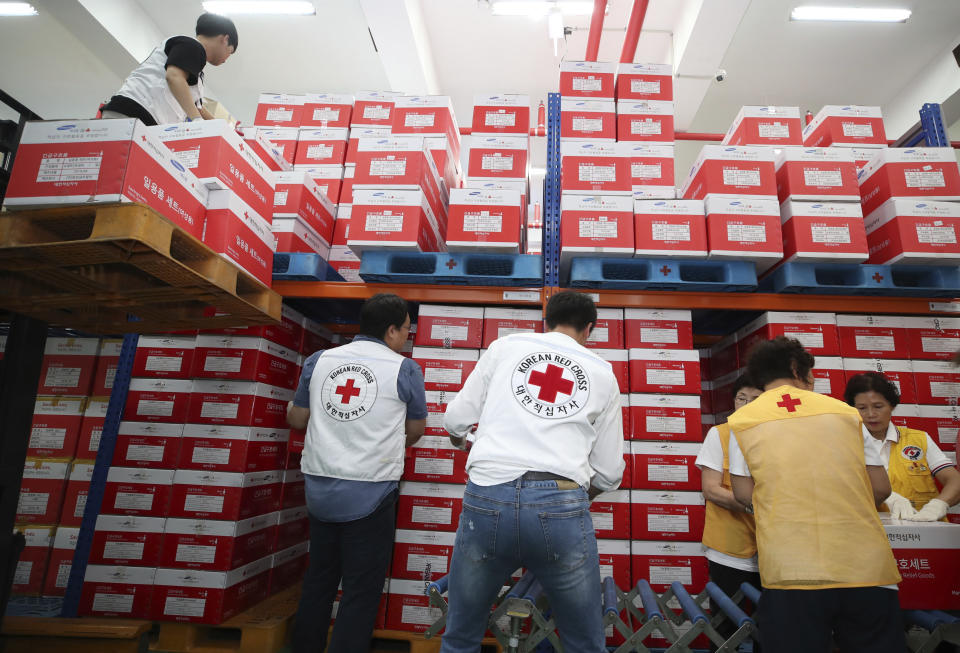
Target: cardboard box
<point>209,597</point>
<point>898,372</point>
<point>94,161</point>
<point>232,448</point>
<point>127,540</point>
<point>265,149</point>
<point>745,229</point>
<point>665,465</point>
<point>68,366</point>
<point>426,115</point>
<point>321,146</point>
<point>823,231</point>
<point>140,492</point>
<point>587,79</point>
<point>664,371</point>
<point>588,119</point>
<point>398,220</point>
<point>765,125</point>
<point>293,527</point>
<point>31,569</point>
<point>939,422</point>
<point>373,109</point>
<point>441,150</point>
<point>166,356</point>
<point>356,133</point>
<point>499,322</point>
<point>328,180</point>
<point>239,235</point>
<point>289,566</point>
<point>421,555</point>
<point>919,173</point>
<point>436,407</point>
<point>829,377</point>
<point>846,126</point>
<point>41,491</point>
<point>217,545</point>
<point>91,427</point>
<point>670,228</point>
<point>408,608</point>
<point>817,332</point>
<point>651,171</point>
<point>595,225</point>
<point>937,382</point>
<point>284,141</point>
<point>932,338</point>
<point>618,362</point>
<point>731,172</point>
<point>610,513</point>
<point>928,561</point>
<point>245,358</point>
<point>667,515</point>
<point>326,110</point>
<point>293,491</point>
<point>279,110</point>
<point>649,121</point>
<point>158,400</point>
<point>724,356</point>
<point>429,506</point>
<point>434,460</point>
<point>872,336</point>
<point>106,370</point>
<point>498,157</point>
<point>445,369</point>
<point>908,415</point>
<point>817,174</point>
<point>659,329</point>
<point>446,326</point>
<point>75,496</point>
<point>238,403</point>
<point>615,560</point>
<point>299,195</point>
<point>910,231</point>
<point>595,168</point>
<point>117,591</point>
<point>662,563</point>
<point>485,221</point>
<point>293,235</point>
<point>501,114</point>
<point>395,163</point>
<point>55,428</point>
<point>644,81</point>
<point>608,331</point>
<point>201,494</point>
<point>61,560</point>
<point>673,418</point>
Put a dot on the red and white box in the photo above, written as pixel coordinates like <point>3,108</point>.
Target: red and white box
<point>397,163</point>
<point>665,371</point>
<point>706,390</point>
<point>921,173</point>
<point>84,161</point>
<point>588,119</point>
<point>823,231</point>
<point>284,140</point>
<point>288,566</point>
<point>445,369</point>
<point>408,607</point>
<point>300,196</point>
<point>32,565</point>
<point>328,180</point>
<point>862,156</point>
<point>846,126</point>
<point>731,172</point>
<point>127,540</point>
<point>244,358</point>
<point>498,157</point>
<point>595,225</point>
<point>61,560</point>
<point>872,336</point>
<point>939,422</point>
<point>665,417</point>
<point>829,377</point>
<point>587,79</point>
<point>293,527</point>
<point>239,235</point>
<point>158,400</point>
<point>238,403</point>
<point>917,232</point>
<point>319,146</point>
<point>651,171</point>
<point>644,81</point>
<point>649,121</point>
<point>135,491</point>
<point>656,328</point>
<point>608,331</point>
<point>426,115</point>
<point>75,497</point>
<point>55,429</point>
<point>117,591</point>
<point>610,513</point>
<point>615,560</point>
<point>440,325</point>
<point>744,229</point>
<point>932,338</point>
<point>765,125</point>
<point>91,428</point>
<point>106,370</point>
<point>279,110</point>
<point>595,168</point>
<point>937,382</point>
<point>447,163</point>
<point>165,356</point>
<point>269,153</point>
<point>627,430</point>
<point>443,464</point>
<point>201,494</point>
<point>232,448</point>
<point>209,597</point>
<point>724,356</point>
<point>499,322</point>
<point>817,174</point>
<point>485,221</point>
<point>41,491</point>
<point>421,554</point>
<point>898,372</point>
<point>670,228</point>
<point>373,109</point>
<point>287,333</point>
<point>666,515</point>
<point>618,359</point>
<point>356,133</point>
<point>395,220</point>
<point>662,563</point>
<point>294,235</point>
<point>293,490</point>
<point>503,114</point>
<point>817,332</point>
<point>326,110</point>
<point>429,506</point>
<point>665,465</point>
<point>214,545</point>
<point>68,366</point>
<point>436,407</point>
<point>928,558</point>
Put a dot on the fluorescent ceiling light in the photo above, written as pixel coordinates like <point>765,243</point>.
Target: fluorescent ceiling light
<point>855,14</point>
<point>538,8</point>
<point>17,9</point>
<point>236,7</point>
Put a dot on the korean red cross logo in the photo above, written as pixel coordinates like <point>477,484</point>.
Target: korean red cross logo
<point>550,385</point>
<point>349,392</point>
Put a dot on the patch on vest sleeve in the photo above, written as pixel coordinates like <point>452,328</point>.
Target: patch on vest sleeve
<point>349,392</point>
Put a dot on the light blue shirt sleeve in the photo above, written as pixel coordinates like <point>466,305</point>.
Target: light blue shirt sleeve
<point>302,396</point>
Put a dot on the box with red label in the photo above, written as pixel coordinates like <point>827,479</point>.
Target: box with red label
<point>434,460</point>
<point>665,371</point>
<point>279,110</point>
<point>61,560</point>
<point>447,163</point>
<point>244,358</point>
<point>316,337</point>
<point>288,566</point>
<point>217,545</point>
<point>665,417</point>
<point>651,170</point>
<point>326,110</point>
<point>932,338</point>
<point>765,126</point>
<point>158,400</point>
<point>732,172</point>
<point>255,138</point>
<point>724,356</point>
<point>649,121</point>
<point>501,114</point>
<point>408,608</point>
<point>419,555</point>
<point>588,119</point>
<point>917,232</point>
<point>666,515</point>
<point>595,167</point>
<point>499,322</point>
<point>165,356</point>
<point>68,366</point>
<point>898,372</point>
<point>928,559</point>
<point>644,81</point>
<point>91,428</point>
<point>706,390</point>
<point>293,489</point>
<point>847,126</point>
<point>299,196</point>
<point>321,146</point>
<point>232,448</point>
<point>85,161</point>
<point>436,407</point>
<point>327,179</point>
<point>429,506</point>
<point>937,382</point>
<point>41,491</point>
<point>744,229</point>
<point>670,228</point>
<point>498,157</point>
<point>106,369</point>
<point>607,333</point>
<point>665,465</point>
<point>353,144</point>
<point>293,527</point>
<point>398,220</point>
<point>829,377</point>
<point>373,109</point>
<point>398,163</point>
<point>939,422</point>
<point>823,231</point>
<point>204,494</point>
<point>610,513</point>
<point>485,221</point>
<point>449,326</point>
<point>587,79</point>
<point>55,429</point>
<point>618,362</point>
<point>660,329</point>
<point>239,235</point>
<point>872,336</point>
<point>862,156</point>
<point>238,403</point>
<point>662,563</point>
<point>127,540</point>
<point>817,332</point>
<point>826,173</point>
<point>287,333</point>
<point>75,497</point>
<point>615,560</point>
<point>32,565</point>
<point>117,591</point>
<point>445,369</point>
<point>595,225</point>
<point>919,173</point>
<point>135,491</point>
<point>426,115</point>
<point>209,597</point>
<point>293,235</point>
<point>284,140</point>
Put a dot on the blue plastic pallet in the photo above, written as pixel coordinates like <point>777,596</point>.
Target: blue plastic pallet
<point>857,279</point>
<point>303,267</point>
<point>452,268</point>
<point>662,274</point>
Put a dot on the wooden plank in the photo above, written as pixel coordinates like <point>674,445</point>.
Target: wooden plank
<point>87,635</point>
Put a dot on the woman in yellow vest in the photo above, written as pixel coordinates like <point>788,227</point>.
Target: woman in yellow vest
<point>913,460</point>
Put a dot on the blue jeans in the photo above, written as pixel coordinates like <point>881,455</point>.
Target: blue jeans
<point>528,524</point>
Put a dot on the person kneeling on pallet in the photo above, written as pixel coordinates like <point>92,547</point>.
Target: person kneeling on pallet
<point>798,459</point>
<point>548,426</point>
<point>911,457</point>
<point>361,403</point>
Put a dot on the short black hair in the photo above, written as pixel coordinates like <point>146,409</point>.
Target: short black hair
<point>871,382</point>
<point>382,311</point>
<point>572,309</point>
<point>780,358</point>
<point>215,25</point>
<point>744,381</point>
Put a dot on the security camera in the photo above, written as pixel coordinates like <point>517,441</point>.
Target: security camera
<point>721,75</point>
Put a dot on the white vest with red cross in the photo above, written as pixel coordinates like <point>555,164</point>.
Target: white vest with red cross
<point>356,428</point>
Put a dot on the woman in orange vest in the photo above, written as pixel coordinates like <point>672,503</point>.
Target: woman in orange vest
<point>912,459</point>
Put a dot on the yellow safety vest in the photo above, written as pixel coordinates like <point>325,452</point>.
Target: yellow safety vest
<point>908,470</point>
<point>817,524</point>
<point>726,531</point>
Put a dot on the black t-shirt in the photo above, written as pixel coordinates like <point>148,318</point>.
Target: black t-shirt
<point>187,54</point>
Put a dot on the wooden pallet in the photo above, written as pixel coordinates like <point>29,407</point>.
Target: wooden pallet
<point>418,644</point>
<point>91,268</point>
<point>87,635</point>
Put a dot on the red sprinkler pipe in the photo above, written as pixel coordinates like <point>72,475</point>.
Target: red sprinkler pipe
<point>632,37</point>
<point>596,30</point>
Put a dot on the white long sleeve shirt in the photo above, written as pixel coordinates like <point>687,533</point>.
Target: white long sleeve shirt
<point>542,403</point>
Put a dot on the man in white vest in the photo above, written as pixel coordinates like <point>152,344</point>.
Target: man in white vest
<point>361,404</point>
<point>549,437</point>
<point>167,87</point>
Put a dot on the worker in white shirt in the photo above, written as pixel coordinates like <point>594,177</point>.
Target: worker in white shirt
<point>549,438</point>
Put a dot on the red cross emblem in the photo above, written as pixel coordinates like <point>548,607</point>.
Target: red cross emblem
<point>347,391</point>
<point>788,402</point>
<point>551,383</point>
<point>451,264</point>
<point>665,270</point>
<point>877,277</point>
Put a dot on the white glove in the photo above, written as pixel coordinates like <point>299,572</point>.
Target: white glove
<point>899,506</point>
<point>935,510</point>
